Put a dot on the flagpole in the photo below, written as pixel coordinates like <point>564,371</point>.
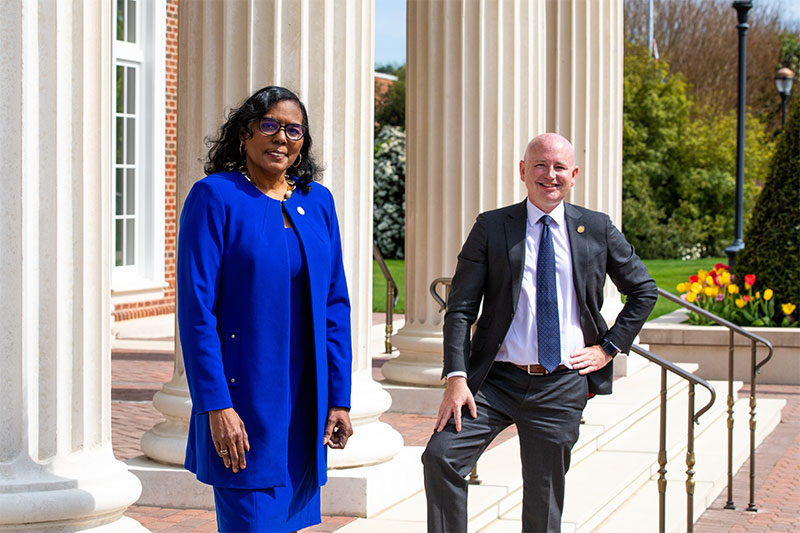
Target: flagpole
<point>650,28</point>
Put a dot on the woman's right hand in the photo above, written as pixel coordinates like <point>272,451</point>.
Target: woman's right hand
<point>229,437</point>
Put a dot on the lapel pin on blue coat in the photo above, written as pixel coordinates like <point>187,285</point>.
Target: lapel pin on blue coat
<point>580,229</point>
<point>301,210</point>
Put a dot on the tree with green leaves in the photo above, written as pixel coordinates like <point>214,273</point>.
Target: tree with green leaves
<point>678,164</point>
<point>390,109</point>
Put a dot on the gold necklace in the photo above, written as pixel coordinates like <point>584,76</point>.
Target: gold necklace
<point>290,182</point>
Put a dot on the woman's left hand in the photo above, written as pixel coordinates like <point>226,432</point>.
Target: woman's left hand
<point>338,428</point>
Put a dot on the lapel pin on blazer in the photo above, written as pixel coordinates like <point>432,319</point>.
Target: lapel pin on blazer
<point>301,210</point>
<point>581,229</point>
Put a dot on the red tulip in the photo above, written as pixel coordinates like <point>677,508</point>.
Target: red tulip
<point>750,279</point>
<point>693,279</point>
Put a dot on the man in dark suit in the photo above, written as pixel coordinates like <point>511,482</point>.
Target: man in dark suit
<point>541,346</point>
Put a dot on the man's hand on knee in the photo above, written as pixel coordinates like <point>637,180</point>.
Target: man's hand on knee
<point>456,395</point>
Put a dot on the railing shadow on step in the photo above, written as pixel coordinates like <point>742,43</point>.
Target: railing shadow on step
<point>693,418</point>
<point>391,295</point>
<point>755,368</point>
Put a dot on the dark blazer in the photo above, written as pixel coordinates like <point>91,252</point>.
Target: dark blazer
<point>490,268</point>
<point>233,308</point>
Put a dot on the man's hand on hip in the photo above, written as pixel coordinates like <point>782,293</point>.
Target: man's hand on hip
<point>589,359</point>
<point>456,395</point>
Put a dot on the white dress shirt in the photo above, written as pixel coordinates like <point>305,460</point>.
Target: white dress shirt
<point>521,343</point>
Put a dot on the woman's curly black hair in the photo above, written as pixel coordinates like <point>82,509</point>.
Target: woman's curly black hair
<point>224,154</point>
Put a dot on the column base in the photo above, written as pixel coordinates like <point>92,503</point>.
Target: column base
<point>368,490</point>
<point>169,485</point>
<point>420,356</point>
<point>166,441</point>
<point>83,491</point>
<point>373,441</point>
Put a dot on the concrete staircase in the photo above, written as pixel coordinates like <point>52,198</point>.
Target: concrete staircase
<point>611,484</point>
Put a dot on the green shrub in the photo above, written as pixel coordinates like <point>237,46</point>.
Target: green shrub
<point>389,195</point>
<point>772,238</point>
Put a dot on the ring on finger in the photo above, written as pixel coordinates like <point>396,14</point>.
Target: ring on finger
<point>223,452</point>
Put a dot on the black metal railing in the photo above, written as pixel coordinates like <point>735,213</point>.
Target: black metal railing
<point>391,296</point>
<point>755,368</point>
<point>693,418</point>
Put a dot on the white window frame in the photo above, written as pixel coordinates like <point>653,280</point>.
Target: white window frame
<point>145,279</point>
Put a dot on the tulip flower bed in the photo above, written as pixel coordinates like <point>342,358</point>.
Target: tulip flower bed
<point>717,291</point>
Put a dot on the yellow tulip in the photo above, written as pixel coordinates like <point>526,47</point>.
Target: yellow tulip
<point>696,287</point>
<point>733,288</point>
<point>710,281</point>
<point>788,308</point>
<point>768,294</point>
<point>682,287</point>
<point>725,278</point>
<point>709,291</point>
<point>691,297</point>
<point>758,295</point>
<point>701,275</point>
<point>739,302</point>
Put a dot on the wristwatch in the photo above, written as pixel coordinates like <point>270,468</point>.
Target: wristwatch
<point>609,347</point>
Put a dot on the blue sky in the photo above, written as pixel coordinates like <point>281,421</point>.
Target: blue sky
<point>390,31</point>
<point>390,26</point>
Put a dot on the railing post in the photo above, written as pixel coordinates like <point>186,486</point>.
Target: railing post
<point>751,505</point>
<point>690,461</point>
<point>389,317</point>
<point>729,504</point>
<point>662,457</point>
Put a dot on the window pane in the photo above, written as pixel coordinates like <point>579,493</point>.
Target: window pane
<point>120,20</point>
<point>130,239</point>
<point>118,242</point>
<point>131,37</point>
<point>130,192</point>
<point>130,141</point>
<point>120,133</point>
<point>130,91</point>
<point>120,88</point>
<point>118,192</point>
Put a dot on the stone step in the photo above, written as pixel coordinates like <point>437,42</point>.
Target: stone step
<point>499,468</point>
<point>640,511</point>
<point>626,479</point>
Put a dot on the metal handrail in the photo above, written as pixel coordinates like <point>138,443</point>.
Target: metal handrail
<point>694,418</point>
<point>391,295</point>
<point>755,368</point>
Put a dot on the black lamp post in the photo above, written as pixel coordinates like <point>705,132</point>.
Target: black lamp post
<point>741,7</point>
<point>783,82</point>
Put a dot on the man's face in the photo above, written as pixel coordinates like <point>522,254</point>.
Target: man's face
<point>548,171</point>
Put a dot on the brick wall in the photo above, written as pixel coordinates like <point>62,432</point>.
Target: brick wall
<point>167,304</point>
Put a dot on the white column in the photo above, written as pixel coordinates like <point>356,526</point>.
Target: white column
<point>322,50</point>
<point>57,467</point>
<point>483,78</point>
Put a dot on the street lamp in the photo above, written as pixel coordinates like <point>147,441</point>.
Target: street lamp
<point>741,7</point>
<point>783,82</point>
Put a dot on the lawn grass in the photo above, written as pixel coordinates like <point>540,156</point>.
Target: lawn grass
<point>397,269</point>
<point>667,273</point>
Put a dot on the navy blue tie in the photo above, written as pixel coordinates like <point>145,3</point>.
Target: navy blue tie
<point>548,332</point>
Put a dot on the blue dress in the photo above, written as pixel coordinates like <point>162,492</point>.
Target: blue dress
<point>297,505</point>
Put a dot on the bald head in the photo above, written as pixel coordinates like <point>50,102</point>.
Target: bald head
<point>547,141</point>
<point>548,170</point>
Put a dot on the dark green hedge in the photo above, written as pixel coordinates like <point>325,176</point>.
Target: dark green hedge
<point>772,237</point>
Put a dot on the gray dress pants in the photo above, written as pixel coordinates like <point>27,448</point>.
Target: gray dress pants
<point>547,412</point>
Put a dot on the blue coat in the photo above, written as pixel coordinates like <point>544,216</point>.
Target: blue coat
<point>233,319</point>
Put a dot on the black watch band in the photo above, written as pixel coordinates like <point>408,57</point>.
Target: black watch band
<point>610,348</point>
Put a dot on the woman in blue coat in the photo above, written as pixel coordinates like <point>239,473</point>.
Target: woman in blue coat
<point>264,319</point>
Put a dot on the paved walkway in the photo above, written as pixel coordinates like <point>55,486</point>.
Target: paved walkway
<point>142,361</point>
